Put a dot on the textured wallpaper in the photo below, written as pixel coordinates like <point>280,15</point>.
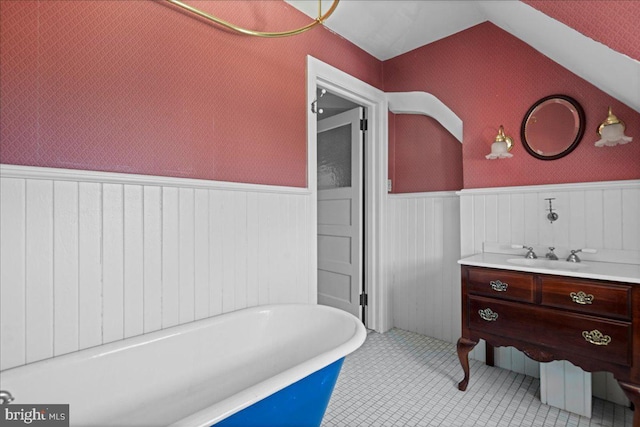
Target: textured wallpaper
<point>610,22</point>
<point>490,78</point>
<point>141,87</point>
<point>426,156</point>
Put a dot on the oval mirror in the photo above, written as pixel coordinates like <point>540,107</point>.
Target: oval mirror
<point>552,127</point>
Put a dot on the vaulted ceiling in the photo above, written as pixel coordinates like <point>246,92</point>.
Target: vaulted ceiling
<point>388,28</point>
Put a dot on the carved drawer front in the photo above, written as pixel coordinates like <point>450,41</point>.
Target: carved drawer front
<point>593,337</point>
<point>501,284</point>
<point>499,317</point>
<point>589,297</point>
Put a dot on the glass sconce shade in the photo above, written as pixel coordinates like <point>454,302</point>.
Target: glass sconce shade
<point>501,146</point>
<point>612,132</point>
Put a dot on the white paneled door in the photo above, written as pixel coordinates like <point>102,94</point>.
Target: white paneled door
<point>340,153</point>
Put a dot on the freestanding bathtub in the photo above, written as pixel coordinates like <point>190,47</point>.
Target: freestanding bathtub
<point>270,365</point>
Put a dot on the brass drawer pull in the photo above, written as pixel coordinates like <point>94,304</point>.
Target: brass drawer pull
<point>488,315</point>
<point>499,286</point>
<point>596,337</point>
<point>581,298</point>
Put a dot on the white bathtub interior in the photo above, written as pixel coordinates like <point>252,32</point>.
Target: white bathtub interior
<point>220,364</point>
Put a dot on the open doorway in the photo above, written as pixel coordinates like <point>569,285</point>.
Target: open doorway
<point>341,141</point>
<point>319,74</point>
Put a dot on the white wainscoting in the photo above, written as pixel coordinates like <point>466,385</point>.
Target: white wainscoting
<point>600,215</point>
<point>424,242</point>
<point>91,257</point>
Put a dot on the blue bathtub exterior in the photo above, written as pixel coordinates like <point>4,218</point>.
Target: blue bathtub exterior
<point>301,404</point>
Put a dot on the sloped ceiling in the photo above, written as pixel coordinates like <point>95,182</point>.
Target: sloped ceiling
<point>386,29</point>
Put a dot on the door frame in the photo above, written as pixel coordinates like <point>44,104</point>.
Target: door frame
<point>378,315</point>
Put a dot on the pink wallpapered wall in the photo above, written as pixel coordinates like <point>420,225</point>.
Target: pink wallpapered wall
<point>488,78</point>
<point>141,87</point>
<point>423,155</point>
<point>610,22</point>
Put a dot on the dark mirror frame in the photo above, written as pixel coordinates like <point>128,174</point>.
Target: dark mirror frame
<point>575,142</point>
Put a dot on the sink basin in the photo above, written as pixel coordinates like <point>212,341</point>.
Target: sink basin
<point>546,263</point>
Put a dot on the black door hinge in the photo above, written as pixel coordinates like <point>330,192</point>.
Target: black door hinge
<point>363,124</point>
<point>364,300</point>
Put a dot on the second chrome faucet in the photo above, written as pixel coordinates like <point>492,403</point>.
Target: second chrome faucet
<point>573,257</point>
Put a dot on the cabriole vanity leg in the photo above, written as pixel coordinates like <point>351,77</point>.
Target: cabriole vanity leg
<point>633,393</point>
<point>464,346</point>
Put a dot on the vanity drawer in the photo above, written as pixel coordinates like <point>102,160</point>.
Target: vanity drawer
<point>593,337</point>
<point>501,284</point>
<point>589,297</point>
<point>501,318</point>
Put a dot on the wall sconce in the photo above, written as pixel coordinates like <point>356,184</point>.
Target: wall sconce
<point>612,132</point>
<point>501,146</point>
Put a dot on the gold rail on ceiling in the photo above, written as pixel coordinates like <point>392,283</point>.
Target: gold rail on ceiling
<point>319,20</point>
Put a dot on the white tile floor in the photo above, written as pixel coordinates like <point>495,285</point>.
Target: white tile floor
<point>405,379</point>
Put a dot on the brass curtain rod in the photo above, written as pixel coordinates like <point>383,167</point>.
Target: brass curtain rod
<point>319,20</point>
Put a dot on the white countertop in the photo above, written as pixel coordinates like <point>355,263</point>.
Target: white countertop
<point>629,273</point>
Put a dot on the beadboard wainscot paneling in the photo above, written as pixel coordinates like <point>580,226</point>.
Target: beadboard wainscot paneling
<point>600,215</point>
<point>424,234</point>
<point>92,257</point>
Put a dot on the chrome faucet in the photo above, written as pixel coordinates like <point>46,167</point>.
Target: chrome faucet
<point>551,255</point>
<point>530,254</point>
<point>5,397</point>
<point>573,257</point>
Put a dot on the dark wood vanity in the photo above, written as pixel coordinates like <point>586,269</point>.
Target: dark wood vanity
<point>595,324</point>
